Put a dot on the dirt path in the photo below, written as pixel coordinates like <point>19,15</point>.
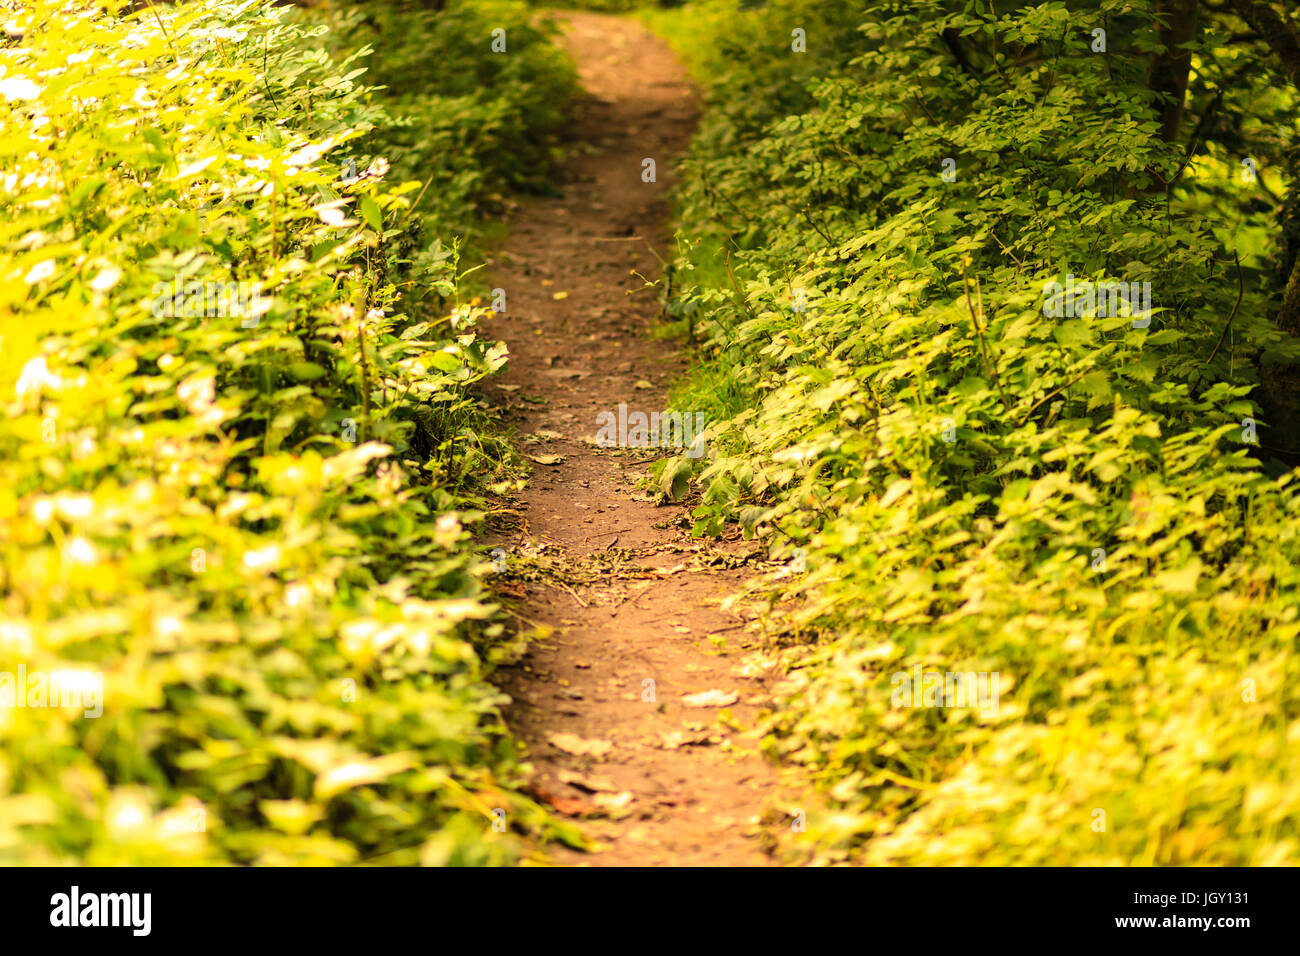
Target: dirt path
<point>633,601</point>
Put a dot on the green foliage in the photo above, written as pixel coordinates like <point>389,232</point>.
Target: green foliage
<point>1073,503</point>
<point>251,517</point>
<point>472,122</point>
<point>605,6</point>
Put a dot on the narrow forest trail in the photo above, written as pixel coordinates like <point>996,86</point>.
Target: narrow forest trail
<point>633,601</point>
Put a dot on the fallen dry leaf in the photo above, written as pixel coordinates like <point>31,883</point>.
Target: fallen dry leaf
<point>711,698</point>
<point>572,743</point>
<point>592,783</point>
<point>674,739</point>
<point>612,801</point>
<point>753,668</point>
<point>568,806</point>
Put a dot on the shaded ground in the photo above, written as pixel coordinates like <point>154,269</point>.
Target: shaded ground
<point>634,602</point>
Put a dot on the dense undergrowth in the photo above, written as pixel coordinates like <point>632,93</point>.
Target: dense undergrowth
<point>239,466</point>
<point>1077,504</point>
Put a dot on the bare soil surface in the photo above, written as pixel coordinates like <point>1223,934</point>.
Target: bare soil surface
<point>606,706</point>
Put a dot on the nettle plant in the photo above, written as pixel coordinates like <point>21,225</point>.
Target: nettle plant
<point>256,531</point>
<point>1073,502</point>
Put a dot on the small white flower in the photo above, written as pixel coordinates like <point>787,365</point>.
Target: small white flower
<point>40,272</point>
<point>264,558</point>
<point>75,507</point>
<point>80,551</point>
<point>127,815</point>
<point>331,216</point>
<point>43,511</point>
<point>168,626</point>
<point>16,636</point>
<point>106,279</point>
<point>297,594</point>
<point>35,377</point>
<point>19,88</point>
<point>84,448</point>
<point>446,531</point>
<point>197,393</point>
<point>307,155</point>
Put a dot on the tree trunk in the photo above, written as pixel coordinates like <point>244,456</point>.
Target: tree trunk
<point>1279,381</point>
<point>1167,77</point>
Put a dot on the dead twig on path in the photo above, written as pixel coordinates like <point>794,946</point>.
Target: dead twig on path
<point>581,602</point>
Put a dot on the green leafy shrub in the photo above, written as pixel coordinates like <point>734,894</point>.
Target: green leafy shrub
<point>240,463</point>
<point>473,121</point>
<point>1076,504</point>
<point>607,6</point>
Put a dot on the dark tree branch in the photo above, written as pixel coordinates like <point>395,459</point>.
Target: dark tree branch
<point>1275,30</point>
